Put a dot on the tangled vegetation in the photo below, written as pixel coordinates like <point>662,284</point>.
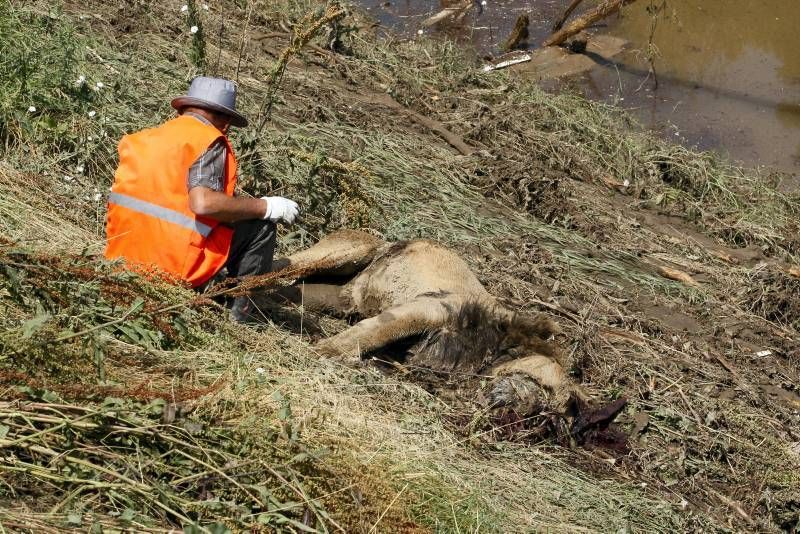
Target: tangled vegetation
<point>130,403</point>
<point>145,465</point>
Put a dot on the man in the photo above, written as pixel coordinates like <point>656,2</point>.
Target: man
<point>172,205</point>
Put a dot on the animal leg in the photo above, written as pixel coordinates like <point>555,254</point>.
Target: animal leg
<point>392,325</point>
<point>329,298</point>
<point>341,253</point>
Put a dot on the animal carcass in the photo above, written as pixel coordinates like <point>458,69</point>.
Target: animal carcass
<point>424,298</point>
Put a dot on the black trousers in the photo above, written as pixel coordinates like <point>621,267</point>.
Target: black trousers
<point>252,248</point>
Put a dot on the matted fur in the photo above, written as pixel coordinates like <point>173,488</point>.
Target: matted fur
<point>476,338</point>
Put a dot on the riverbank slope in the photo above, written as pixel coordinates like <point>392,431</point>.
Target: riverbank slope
<point>132,404</point>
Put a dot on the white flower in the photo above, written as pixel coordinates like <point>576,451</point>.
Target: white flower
<point>97,196</point>
<point>79,169</point>
<point>260,370</point>
<point>32,109</point>
<point>205,6</point>
<point>98,86</point>
<point>483,3</point>
<point>89,138</point>
<point>92,113</point>
<point>67,179</point>
<point>194,29</point>
<point>626,183</point>
<point>81,80</point>
<point>420,32</point>
<point>184,8</point>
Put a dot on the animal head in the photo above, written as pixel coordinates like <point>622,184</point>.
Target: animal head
<point>518,350</point>
<point>542,374</point>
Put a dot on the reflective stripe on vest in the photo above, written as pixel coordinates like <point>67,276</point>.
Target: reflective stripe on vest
<point>159,212</point>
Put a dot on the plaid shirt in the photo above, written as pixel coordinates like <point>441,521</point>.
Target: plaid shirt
<point>208,170</point>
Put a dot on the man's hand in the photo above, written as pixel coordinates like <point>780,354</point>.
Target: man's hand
<point>281,209</point>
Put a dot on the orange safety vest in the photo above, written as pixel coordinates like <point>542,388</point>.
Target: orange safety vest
<point>149,220</point>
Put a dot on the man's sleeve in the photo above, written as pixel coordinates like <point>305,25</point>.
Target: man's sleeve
<point>208,170</point>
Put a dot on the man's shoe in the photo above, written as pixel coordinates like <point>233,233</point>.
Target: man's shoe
<point>241,310</point>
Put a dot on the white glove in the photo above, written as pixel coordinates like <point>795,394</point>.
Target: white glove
<point>281,209</point>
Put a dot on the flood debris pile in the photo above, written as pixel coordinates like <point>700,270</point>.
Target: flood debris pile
<point>775,295</point>
<point>669,273</point>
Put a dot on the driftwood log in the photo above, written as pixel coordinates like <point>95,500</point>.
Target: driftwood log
<point>584,21</point>
<point>560,22</point>
<point>457,11</point>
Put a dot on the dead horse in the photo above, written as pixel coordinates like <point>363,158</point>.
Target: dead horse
<point>420,291</point>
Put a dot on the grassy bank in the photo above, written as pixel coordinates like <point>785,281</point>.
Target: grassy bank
<point>132,404</point>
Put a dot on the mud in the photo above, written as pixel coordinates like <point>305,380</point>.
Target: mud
<point>553,64</point>
<point>530,185</point>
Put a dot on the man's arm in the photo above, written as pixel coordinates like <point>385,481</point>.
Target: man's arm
<point>217,205</point>
<point>205,182</point>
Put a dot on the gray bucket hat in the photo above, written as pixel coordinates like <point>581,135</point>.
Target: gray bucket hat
<point>215,94</point>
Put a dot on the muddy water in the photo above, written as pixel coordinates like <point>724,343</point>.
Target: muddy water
<point>729,76</point>
<point>728,70</point>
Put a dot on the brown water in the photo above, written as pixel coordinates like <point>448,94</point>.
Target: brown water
<point>728,70</point>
